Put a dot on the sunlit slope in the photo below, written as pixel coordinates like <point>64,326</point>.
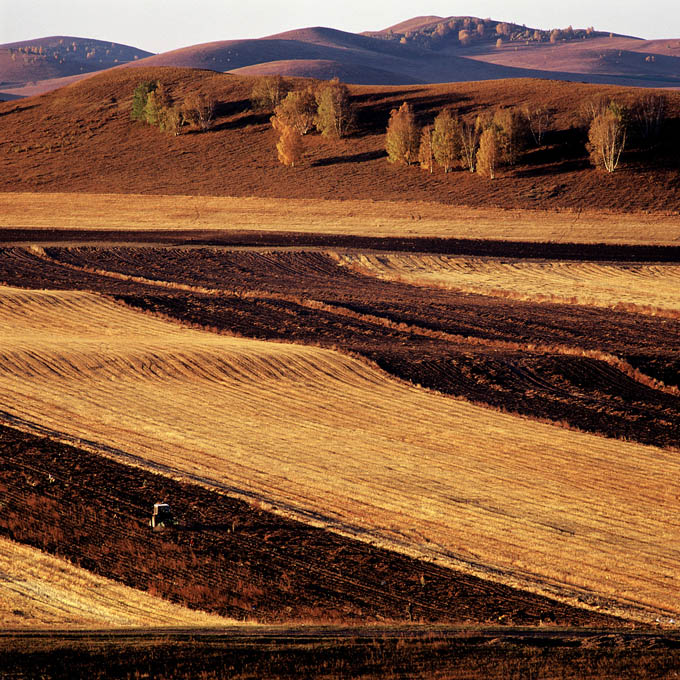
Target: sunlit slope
<point>47,212</point>
<point>321,433</point>
<point>652,286</point>
<point>41,590</point>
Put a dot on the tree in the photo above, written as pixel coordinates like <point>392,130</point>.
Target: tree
<point>268,92</point>
<point>199,109</point>
<point>464,37</point>
<point>538,119</point>
<point>402,139</point>
<point>298,110</point>
<point>139,99</point>
<point>607,137</point>
<point>290,147</point>
<point>157,101</point>
<point>649,114</point>
<point>469,140</point>
<point>172,119</point>
<point>512,130</point>
<point>499,43</point>
<point>446,140</point>
<point>425,150</point>
<point>335,114</point>
<point>489,153</point>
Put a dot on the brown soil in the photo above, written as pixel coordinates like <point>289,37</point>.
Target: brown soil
<point>81,139</point>
<point>386,652</point>
<point>230,557</point>
<point>541,360</point>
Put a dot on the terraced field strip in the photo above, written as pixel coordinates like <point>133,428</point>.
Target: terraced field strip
<point>359,217</point>
<point>39,590</point>
<point>330,438</point>
<point>641,287</point>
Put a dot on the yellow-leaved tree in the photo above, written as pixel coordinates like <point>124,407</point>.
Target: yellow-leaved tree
<point>403,137</point>
<point>290,146</point>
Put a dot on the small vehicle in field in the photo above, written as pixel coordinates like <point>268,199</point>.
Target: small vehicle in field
<point>162,517</point>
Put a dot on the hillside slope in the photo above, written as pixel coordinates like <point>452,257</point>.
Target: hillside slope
<point>81,139</point>
<point>29,62</point>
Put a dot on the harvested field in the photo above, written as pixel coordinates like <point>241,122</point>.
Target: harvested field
<point>644,287</point>
<point>370,218</point>
<point>324,436</point>
<point>232,558</point>
<point>39,590</point>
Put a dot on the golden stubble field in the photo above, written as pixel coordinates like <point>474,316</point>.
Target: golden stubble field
<point>652,287</point>
<point>309,430</point>
<point>39,590</point>
<point>356,217</point>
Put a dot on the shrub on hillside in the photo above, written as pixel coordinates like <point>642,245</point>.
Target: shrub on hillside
<point>199,110</point>
<point>268,92</point>
<point>140,97</point>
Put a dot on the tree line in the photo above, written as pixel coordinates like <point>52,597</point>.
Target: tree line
<point>481,144</point>
<point>493,140</point>
<point>154,105</point>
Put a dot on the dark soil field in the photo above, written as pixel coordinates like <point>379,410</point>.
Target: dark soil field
<point>563,363</point>
<point>387,652</point>
<point>81,139</point>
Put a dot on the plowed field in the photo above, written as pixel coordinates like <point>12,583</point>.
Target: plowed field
<point>325,436</point>
<point>565,363</point>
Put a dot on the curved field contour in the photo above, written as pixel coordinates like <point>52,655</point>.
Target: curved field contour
<point>330,438</point>
<point>652,286</point>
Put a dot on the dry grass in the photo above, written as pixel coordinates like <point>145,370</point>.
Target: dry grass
<point>313,431</point>
<point>356,217</point>
<point>647,287</point>
<point>39,590</point>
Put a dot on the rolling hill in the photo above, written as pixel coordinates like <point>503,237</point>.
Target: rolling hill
<point>81,139</point>
<point>34,66</point>
<point>426,49</point>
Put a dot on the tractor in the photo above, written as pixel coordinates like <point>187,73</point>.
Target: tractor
<point>162,517</point>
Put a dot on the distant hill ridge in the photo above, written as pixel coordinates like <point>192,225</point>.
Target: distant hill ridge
<point>424,49</point>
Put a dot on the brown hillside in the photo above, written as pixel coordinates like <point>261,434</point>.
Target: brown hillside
<point>324,69</point>
<point>30,61</point>
<point>626,60</point>
<point>81,138</point>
